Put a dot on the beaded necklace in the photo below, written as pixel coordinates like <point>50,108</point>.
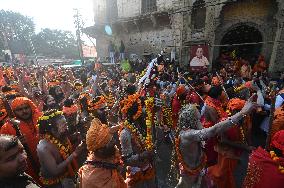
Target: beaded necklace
<point>187,169</point>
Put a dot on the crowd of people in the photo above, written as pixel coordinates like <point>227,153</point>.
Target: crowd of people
<point>97,126</point>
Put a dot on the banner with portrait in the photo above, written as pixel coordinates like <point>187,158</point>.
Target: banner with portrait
<point>199,58</point>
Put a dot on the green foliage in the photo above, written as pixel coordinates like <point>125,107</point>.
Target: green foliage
<point>16,31</point>
<point>56,43</point>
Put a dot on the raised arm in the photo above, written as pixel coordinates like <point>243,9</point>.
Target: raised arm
<point>204,134</point>
<point>48,162</point>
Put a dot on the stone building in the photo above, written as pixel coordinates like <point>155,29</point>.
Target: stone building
<point>249,27</point>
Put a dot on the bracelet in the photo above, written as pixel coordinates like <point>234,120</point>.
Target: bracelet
<point>230,119</point>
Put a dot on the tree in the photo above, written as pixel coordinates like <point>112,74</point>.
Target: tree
<point>56,43</point>
<point>15,32</point>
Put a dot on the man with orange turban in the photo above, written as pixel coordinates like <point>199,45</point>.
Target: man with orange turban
<point>232,143</point>
<point>266,168</point>
<point>26,115</point>
<point>101,170</point>
<point>213,113</point>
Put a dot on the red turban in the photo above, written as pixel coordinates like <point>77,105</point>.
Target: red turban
<point>278,141</point>
<point>181,90</point>
<point>248,84</point>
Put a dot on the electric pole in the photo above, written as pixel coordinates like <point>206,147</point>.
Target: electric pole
<point>78,26</point>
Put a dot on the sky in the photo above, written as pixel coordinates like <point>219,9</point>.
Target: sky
<point>53,14</point>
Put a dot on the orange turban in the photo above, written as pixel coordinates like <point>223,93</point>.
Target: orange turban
<point>235,104</point>
<point>278,141</point>
<point>181,90</point>
<point>24,100</point>
<point>98,135</point>
<point>20,101</point>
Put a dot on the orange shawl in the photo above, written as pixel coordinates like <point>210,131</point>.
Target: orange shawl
<point>278,121</point>
<point>92,177</point>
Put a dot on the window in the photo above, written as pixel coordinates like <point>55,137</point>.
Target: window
<point>149,6</point>
<point>198,15</point>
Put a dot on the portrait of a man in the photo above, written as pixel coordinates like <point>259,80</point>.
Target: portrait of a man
<point>199,60</point>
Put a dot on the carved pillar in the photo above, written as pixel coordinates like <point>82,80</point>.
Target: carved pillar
<point>277,58</point>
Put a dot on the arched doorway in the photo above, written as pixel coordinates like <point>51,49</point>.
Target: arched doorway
<point>235,42</point>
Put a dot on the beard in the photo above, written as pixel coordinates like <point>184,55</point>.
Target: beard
<point>106,152</point>
<point>25,117</point>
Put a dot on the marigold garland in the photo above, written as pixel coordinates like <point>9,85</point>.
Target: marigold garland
<point>127,103</point>
<point>237,89</point>
<point>109,100</point>
<point>217,105</point>
<point>188,170</point>
<point>70,110</point>
<point>145,141</point>
<point>97,105</point>
<point>167,116</point>
<point>65,151</point>
<point>44,118</point>
<point>276,159</point>
<point>149,104</point>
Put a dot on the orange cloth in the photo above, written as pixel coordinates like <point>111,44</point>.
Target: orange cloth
<point>262,171</point>
<point>70,110</point>
<point>92,177</point>
<point>278,121</point>
<point>30,132</point>
<point>222,174</point>
<point>235,104</point>
<point>98,135</point>
<point>210,143</point>
<point>278,141</point>
<point>260,66</point>
<point>2,80</point>
<point>133,179</point>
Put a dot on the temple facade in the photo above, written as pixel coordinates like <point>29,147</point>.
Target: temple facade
<point>240,28</point>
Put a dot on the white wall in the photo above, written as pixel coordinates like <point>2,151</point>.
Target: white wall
<point>99,7</point>
<point>163,5</point>
<point>128,8</point>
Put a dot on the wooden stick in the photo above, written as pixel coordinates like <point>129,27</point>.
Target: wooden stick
<point>219,78</point>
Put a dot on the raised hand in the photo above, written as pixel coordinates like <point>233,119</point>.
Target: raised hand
<point>250,105</point>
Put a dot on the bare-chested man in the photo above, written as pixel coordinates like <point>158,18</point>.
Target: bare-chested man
<point>189,150</point>
<point>58,162</point>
